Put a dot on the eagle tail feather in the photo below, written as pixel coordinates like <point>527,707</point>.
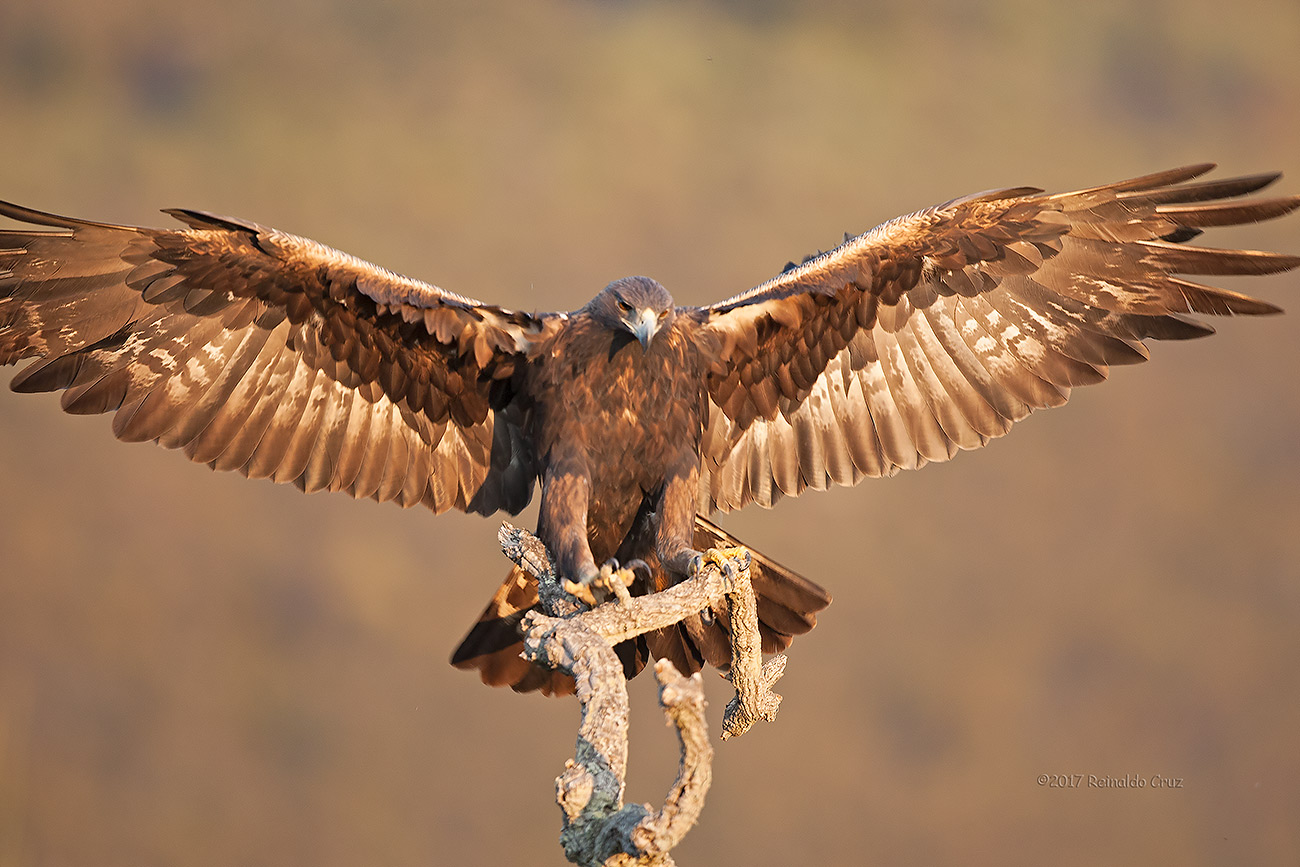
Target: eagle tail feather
<point>787,601</point>
<point>493,645</point>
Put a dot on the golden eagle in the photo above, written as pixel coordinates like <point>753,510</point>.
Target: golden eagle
<point>255,350</point>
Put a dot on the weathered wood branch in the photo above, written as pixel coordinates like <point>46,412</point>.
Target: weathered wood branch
<point>599,828</point>
<point>683,701</point>
<point>753,681</point>
<point>528,552</point>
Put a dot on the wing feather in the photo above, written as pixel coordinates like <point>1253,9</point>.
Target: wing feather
<point>937,331</point>
<point>370,475</point>
<point>323,458</point>
<point>963,380</point>
<point>1020,379</point>
<point>254,350</point>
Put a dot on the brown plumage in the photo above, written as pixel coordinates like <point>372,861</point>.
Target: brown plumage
<point>258,351</point>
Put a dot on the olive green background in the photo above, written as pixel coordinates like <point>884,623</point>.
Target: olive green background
<point>200,670</point>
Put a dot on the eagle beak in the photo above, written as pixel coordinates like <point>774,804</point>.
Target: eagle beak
<point>645,326</point>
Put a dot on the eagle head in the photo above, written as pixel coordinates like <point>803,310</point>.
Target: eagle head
<point>637,305</point>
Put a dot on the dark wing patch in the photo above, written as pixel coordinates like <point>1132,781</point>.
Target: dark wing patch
<point>255,350</point>
<point>935,332</point>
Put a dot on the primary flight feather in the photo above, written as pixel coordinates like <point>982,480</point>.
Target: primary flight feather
<point>255,350</point>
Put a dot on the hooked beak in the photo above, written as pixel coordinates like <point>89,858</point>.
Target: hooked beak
<point>645,326</point>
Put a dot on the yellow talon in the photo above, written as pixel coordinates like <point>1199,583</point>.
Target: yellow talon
<point>609,581</point>
<point>720,556</point>
<point>613,581</point>
<point>618,582</point>
<point>581,592</point>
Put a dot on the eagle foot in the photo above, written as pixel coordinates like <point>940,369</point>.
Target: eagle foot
<point>610,579</point>
<point>632,570</point>
<point>616,581</point>
<point>580,591</point>
<point>724,558</point>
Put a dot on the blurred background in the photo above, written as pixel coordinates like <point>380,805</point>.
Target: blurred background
<point>200,670</point>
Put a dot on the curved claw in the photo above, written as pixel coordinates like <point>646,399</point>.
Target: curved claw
<point>724,559</point>
<point>640,569</point>
<point>625,573</point>
<point>616,579</point>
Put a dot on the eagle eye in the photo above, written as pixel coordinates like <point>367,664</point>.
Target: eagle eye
<point>623,306</point>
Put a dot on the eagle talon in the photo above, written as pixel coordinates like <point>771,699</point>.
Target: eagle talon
<point>616,579</point>
<point>724,559</point>
<point>609,580</point>
<point>626,573</point>
<point>580,591</point>
<point>637,569</point>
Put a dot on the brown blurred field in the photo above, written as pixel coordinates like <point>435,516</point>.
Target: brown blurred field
<point>200,670</point>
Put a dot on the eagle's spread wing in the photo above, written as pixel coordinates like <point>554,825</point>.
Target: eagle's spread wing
<point>258,351</point>
<point>936,331</point>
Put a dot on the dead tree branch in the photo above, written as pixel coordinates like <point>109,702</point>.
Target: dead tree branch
<point>599,829</point>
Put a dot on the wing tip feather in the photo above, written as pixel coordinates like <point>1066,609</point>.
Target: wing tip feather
<point>24,214</point>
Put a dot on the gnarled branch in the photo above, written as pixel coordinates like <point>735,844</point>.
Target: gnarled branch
<point>599,829</point>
